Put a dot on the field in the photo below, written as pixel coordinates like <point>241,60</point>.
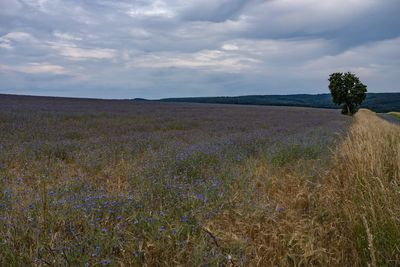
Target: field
<point>377,102</point>
<point>130,183</point>
<point>395,114</point>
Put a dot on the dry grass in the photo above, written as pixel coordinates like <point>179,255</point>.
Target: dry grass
<point>347,216</point>
<point>365,184</point>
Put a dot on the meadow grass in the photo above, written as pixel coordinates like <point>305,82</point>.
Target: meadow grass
<point>395,114</point>
<point>121,183</point>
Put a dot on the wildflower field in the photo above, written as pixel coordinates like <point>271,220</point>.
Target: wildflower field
<point>129,183</point>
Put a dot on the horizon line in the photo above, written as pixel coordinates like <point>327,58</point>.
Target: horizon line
<point>178,97</point>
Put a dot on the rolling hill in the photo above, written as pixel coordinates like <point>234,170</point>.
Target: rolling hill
<point>378,102</point>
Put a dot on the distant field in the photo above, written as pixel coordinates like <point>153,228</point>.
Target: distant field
<point>395,114</point>
<point>393,117</point>
<point>378,102</point>
<point>95,182</point>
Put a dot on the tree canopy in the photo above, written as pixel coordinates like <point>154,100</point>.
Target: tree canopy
<point>347,90</point>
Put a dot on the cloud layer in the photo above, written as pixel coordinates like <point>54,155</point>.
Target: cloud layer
<point>169,48</point>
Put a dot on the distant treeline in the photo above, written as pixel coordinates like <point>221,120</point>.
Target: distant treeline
<point>378,102</point>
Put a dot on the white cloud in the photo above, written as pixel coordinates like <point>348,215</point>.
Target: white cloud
<point>19,37</point>
<point>67,36</point>
<point>154,9</point>
<point>24,38</point>
<point>81,53</point>
<point>73,52</point>
<point>5,45</point>
<point>230,47</point>
<point>210,30</point>
<point>34,68</point>
<point>208,60</point>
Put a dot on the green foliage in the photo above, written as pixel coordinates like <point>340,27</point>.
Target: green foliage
<point>347,90</point>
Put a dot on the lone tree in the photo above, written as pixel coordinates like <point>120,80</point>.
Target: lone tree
<point>347,90</point>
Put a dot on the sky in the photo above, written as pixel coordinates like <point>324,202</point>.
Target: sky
<point>178,48</point>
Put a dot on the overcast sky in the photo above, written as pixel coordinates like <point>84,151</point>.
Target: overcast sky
<point>169,48</point>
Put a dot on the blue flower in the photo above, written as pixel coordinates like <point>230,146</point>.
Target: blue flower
<point>280,209</point>
<point>201,197</point>
<point>105,262</point>
<point>96,251</point>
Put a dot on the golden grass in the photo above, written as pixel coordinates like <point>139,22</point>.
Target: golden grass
<point>347,216</point>
<point>365,184</point>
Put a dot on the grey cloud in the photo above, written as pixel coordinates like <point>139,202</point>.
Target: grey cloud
<point>161,48</point>
<point>348,22</point>
<point>215,11</point>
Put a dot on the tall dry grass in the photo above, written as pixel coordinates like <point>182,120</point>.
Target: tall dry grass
<point>364,188</point>
<point>347,215</point>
